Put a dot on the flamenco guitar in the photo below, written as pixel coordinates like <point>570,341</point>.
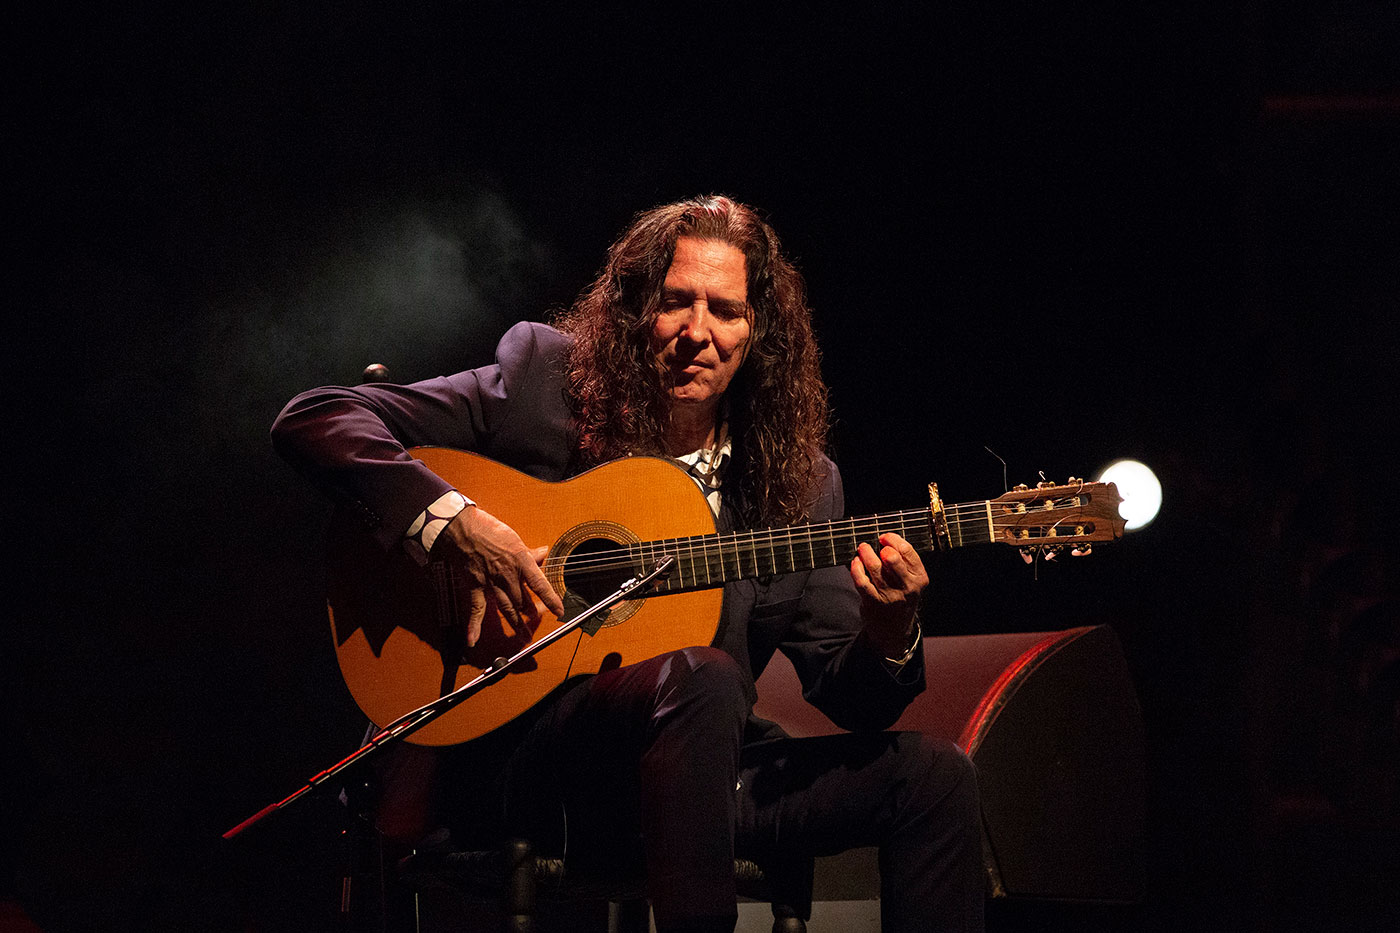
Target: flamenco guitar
<point>399,628</point>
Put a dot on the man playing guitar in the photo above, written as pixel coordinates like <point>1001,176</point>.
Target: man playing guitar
<point>693,344</point>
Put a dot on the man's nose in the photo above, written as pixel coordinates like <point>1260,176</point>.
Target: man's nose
<point>696,326</point>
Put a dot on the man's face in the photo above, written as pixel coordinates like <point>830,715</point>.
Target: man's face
<point>702,333</point>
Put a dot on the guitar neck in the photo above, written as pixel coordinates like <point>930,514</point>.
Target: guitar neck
<point>706,561</point>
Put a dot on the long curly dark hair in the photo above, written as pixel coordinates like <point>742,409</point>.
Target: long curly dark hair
<point>777,401</point>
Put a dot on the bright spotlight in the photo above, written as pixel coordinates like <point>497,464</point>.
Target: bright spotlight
<point>1141,492</point>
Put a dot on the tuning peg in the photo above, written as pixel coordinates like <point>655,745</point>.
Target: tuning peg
<point>1044,484</point>
<point>1028,555</point>
<point>1052,552</point>
<point>1084,550</point>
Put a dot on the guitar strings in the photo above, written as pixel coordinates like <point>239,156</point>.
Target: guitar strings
<point>749,541</point>
<point>754,542</point>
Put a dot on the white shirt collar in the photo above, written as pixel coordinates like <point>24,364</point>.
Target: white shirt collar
<point>706,467</point>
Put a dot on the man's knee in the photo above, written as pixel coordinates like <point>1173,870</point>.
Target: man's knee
<point>712,668</point>
<point>704,678</point>
<point>938,772</point>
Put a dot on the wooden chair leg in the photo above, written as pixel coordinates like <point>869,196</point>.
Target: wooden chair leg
<point>629,916</point>
<point>519,894</point>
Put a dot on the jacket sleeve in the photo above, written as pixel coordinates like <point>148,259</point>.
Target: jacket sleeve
<point>842,673</point>
<point>352,442</point>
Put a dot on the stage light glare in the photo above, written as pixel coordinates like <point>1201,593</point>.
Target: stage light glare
<point>1141,492</point>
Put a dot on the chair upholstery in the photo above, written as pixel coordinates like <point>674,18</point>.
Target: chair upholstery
<point>1053,725</point>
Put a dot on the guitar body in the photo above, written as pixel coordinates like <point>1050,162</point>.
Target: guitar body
<point>399,628</point>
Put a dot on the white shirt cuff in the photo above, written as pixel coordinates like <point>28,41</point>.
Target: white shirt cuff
<point>418,540</point>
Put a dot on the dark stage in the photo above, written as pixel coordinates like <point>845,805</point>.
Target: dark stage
<point>1062,233</point>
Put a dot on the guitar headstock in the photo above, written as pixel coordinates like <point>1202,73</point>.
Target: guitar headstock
<point>1050,517</point>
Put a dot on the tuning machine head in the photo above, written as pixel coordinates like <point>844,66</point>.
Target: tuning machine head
<point>1046,551</point>
<point>1051,551</point>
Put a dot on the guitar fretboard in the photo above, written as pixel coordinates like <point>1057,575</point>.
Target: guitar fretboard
<point>1033,519</point>
<point>705,561</point>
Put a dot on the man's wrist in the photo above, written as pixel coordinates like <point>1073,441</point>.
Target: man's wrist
<point>915,637</point>
<point>423,533</point>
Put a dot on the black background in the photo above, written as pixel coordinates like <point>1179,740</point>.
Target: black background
<point>1065,233</point>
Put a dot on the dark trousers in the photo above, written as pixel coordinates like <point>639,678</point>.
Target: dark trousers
<point>653,751</point>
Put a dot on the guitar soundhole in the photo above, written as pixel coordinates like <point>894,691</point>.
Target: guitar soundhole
<point>596,568</point>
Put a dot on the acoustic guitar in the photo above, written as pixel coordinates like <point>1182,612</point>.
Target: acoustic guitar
<point>399,628</point>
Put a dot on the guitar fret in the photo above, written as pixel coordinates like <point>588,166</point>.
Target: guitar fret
<point>924,529</point>
<point>701,549</point>
<point>991,526</point>
<point>880,528</point>
<point>916,530</point>
<point>685,562</point>
<point>677,574</point>
<point>659,550</point>
<point>637,562</point>
<point>646,560</point>
<point>695,556</point>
